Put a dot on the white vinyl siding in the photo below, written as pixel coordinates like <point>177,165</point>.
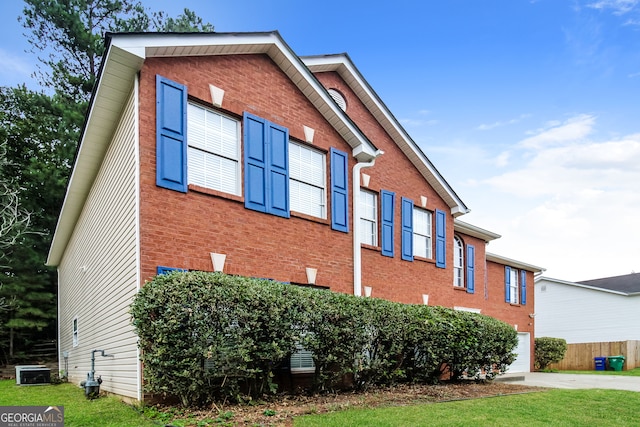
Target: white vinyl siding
<point>422,226</point>
<point>514,289</point>
<point>98,274</point>
<point>458,262</point>
<point>582,314</point>
<point>368,218</point>
<point>214,150</point>
<point>307,182</point>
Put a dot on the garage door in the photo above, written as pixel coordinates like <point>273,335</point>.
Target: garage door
<point>522,362</point>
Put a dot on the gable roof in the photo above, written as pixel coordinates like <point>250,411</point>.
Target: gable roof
<point>124,56</point>
<point>342,64</point>
<point>473,230</point>
<point>620,285</point>
<point>513,263</point>
<point>628,284</point>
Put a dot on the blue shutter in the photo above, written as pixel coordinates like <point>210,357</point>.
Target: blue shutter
<point>407,229</point>
<point>266,166</point>
<point>164,270</point>
<point>339,191</point>
<point>441,239</point>
<point>278,182</point>
<point>471,269</point>
<point>523,287</point>
<point>388,211</point>
<point>171,135</point>
<point>507,284</point>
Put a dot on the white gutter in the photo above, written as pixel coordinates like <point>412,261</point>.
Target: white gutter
<point>357,251</point>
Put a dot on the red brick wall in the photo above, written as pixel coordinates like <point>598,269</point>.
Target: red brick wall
<point>514,314</point>
<point>180,230</point>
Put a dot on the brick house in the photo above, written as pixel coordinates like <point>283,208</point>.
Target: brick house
<point>227,151</point>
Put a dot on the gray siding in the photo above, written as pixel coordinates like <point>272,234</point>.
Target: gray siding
<point>98,275</point>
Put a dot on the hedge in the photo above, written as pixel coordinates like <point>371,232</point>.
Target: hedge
<point>209,336</point>
<point>549,350</point>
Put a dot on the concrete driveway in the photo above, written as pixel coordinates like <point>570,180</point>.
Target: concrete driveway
<point>551,380</point>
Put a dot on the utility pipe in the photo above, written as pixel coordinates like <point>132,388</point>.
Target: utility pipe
<point>357,251</point>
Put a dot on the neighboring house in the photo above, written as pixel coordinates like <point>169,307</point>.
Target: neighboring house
<point>600,310</point>
<point>223,151</point>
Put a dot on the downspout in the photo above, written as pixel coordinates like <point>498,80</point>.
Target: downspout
<point>357,252</point>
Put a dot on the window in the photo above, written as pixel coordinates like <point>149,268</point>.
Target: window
<point>307,180</point>
<point>214,153</point>
<point>301,361</point>
<point>422,233</point>
<point>75,331</point>
<point>515,286</point>
<point>368,218</point>
<point>458,262</point>
<point>197,145</point>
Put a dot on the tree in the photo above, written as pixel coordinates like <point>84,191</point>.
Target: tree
<point>14,220</point>
<point>40,132</point>
<point>39,135</point>
<point>70,35</point>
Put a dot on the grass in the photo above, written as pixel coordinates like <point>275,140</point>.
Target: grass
<point>550,408</point>
<point>630,373</point>
<point>78,411</point>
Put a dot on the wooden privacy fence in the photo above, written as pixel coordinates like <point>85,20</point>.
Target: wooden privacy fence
<point>579,357</point>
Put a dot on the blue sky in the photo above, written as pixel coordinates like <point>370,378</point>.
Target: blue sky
<point>529,108</point>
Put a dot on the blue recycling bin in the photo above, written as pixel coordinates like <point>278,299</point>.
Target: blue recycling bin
<point>600,363</point>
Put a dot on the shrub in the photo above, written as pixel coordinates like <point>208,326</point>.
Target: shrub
<point>549,350</point>
<point>206,336</point>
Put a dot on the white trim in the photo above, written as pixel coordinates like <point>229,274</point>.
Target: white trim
<point>474,231</point>
<point>580,285</point>
<point>122,61</point>
<point>513,263</point>
<point>136,117</point>
<point>467,309</point>
<point>342,64</point>
<point>357,254</point>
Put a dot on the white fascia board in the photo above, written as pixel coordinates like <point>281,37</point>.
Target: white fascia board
<point>474,231</point>
<point>271,44</point>
<point>107,104</point>
<point>342,64</point>
<point>580,285</point>
<point>513,263</point>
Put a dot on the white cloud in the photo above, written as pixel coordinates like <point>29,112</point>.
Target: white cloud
<point>573,129</point>
<point>619,7</point>
<point>502,123</point>
<point>568,204</point>
<point>13,68</point>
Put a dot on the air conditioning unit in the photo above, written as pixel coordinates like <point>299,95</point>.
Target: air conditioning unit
<point>32,374</point>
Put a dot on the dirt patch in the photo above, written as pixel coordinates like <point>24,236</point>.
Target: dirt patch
<point>281,412</point>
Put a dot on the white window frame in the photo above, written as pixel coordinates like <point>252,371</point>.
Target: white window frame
<point>422,237</point>
<point>74,331</point>
<point>301,361</point>
<point>514,286</point>
<point>368,201</point>
<point>227,154</point>
<point>307,173</point>
<point>458,262</point>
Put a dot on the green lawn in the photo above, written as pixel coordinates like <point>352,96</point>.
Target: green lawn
<point>550,408</point>
<point>78,411</point>
<point>630,373</point>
